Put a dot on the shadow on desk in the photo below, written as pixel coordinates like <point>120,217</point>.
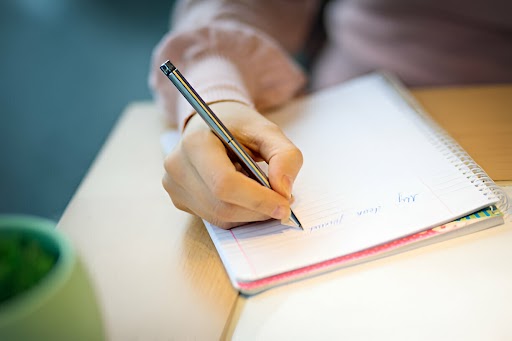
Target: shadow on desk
<point>198,252</point>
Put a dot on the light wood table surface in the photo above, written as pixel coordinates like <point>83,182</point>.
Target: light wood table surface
<point>158,276</point>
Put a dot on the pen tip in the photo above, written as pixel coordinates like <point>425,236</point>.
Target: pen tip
<point>296,221</point>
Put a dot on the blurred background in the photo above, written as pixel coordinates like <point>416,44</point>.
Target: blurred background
<point>68,68</point>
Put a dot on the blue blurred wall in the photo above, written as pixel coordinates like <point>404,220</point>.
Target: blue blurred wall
<point>67,70</point>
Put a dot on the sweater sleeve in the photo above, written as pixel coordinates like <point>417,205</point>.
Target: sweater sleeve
<point>233,50</point>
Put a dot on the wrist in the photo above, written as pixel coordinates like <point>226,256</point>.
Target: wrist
<point>216,79</point>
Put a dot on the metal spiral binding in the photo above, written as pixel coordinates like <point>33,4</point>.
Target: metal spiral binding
<point>451,149</point>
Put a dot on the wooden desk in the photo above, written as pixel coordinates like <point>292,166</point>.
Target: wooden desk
<point>480,119</point>
<point>156,271</point>
<point>158,275</point>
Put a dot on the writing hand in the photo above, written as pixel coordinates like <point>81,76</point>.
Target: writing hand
<point>201,179</point>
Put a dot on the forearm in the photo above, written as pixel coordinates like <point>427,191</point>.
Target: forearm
<point>233,51</point>
<point>288,22</point>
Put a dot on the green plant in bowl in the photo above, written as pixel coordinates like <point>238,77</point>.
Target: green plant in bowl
<point>45,293</point>
<point>24,262</point>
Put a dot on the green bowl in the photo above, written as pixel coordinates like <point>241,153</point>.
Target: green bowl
<point>62,304</point>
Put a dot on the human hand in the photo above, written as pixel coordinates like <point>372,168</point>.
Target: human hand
<point>201,179</point>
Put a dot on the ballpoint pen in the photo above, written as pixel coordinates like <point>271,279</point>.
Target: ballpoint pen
<point>215,124</point>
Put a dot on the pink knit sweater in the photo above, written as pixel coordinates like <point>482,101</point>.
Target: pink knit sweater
<point>240,50</point>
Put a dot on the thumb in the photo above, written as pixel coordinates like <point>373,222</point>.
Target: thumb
<point>283,157</point>
<point>263,138</point>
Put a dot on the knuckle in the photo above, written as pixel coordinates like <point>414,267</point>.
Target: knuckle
<point>179,205</point>
<point>168,184</point>
<point>221,186</point>
<point>260,205</point>
<point>170,163</point>
<point>171,189</point>
<point>223,212</point>
<point>227,226</point>
<point>223,224</point>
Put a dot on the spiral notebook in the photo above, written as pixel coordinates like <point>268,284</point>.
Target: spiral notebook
<point>379,177</point>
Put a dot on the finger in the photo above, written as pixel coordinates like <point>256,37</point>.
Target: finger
<point>283,157</point>
<point>223,215</point>
<point>283,169</point>
<point>176,193</point>
<point>189,193</point>
<point>219,175</point>
<point>226,215</point>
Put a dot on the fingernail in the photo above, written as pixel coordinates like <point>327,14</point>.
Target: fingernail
<point>287,186</point>
<point>280,212</point>
<point>286,219</point>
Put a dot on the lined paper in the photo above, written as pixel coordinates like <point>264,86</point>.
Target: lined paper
<point>374,171</point>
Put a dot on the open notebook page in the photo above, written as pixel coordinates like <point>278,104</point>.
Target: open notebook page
<point>373,172</point>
